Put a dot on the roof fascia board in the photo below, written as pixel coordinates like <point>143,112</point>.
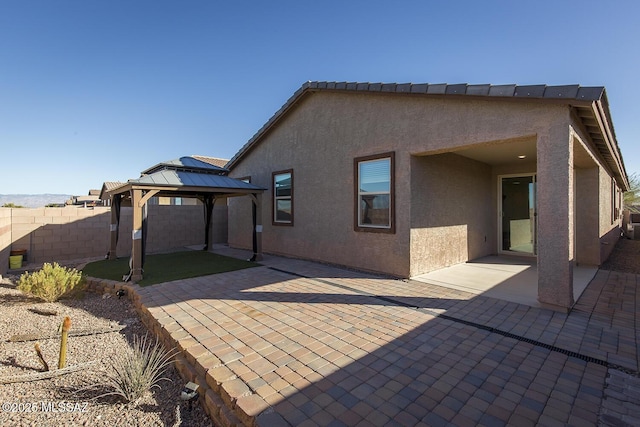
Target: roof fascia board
<point>292,102</point>
<point>594,152</point>
<point>608,135</point>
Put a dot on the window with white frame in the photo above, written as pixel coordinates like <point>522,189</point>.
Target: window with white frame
<point>373,177</point>
<point>283,197</point>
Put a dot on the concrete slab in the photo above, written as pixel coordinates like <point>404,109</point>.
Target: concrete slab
<point>509,278</point>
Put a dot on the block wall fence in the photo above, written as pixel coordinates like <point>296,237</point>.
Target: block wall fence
<point>5,239</point>
<point>70,233</point>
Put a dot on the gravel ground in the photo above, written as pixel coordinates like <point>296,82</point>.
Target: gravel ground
<point>625,257</point>
<point>161,407</point>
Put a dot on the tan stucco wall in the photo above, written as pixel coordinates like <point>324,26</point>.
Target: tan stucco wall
<point>555,214</point>
<point>452,211</point>
<point>599,194</point>
<point>319,140</point>
<point>596,240</point>
<point>610,228</point>
<point>587,199</point>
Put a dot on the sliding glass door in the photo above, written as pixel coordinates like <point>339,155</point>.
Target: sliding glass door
<point>518,214</point>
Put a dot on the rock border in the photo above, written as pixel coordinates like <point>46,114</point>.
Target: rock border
<point>226,399</point>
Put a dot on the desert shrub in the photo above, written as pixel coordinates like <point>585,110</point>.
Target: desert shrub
<point>51,282</point>
<point>138,370</point>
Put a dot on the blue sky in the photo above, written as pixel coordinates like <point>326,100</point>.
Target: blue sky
<point>94,91</point>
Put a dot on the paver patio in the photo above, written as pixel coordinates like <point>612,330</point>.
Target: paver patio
<point>300,343</point>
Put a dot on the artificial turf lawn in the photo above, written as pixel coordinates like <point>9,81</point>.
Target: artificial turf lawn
<point>161,268</point>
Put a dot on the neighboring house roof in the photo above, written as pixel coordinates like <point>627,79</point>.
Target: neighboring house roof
<point>212,160</point>
<point>78,200</point>
<point>108,186</point>
<point>590,103</point>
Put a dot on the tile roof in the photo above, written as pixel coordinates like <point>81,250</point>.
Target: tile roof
<point>583,98</point>
<point>520,91</point>
<point>215,161</point>
<point>107,186</point>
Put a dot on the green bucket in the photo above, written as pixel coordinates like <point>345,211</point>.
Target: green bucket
<point>15,261</point>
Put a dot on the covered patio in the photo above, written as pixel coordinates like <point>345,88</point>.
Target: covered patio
<point>186,177</point>
<point>504,277</point>
<point>499,234</point>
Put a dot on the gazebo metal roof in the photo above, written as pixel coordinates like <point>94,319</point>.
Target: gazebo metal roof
<point>186,177</point>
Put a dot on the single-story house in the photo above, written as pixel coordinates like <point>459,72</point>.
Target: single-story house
<point>404,179</point>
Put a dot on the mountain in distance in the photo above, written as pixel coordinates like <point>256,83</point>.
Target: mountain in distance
<point>33,200</point>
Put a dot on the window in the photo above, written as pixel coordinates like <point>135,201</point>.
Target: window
<point>283,197</point>
<point>373,177</point>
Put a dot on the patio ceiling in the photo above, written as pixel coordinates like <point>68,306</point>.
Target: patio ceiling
<point>502,153</point>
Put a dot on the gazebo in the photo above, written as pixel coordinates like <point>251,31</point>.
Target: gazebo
<point>187,177</point>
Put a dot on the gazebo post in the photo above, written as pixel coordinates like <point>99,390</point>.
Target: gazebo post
<point>256,213</point>
<point>209,202</point>
<point>114,229</point>
<point>136,236</point>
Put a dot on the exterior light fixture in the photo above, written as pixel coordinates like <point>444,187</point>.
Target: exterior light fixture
<point>190,393</point>
<point>522,156</point>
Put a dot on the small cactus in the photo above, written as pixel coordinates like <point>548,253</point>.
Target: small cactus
<point>66,325</point>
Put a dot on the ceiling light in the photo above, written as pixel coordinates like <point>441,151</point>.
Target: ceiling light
<point>521,156</point>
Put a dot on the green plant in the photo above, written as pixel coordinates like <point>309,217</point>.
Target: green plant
<point>632,197</point>
<point>139,369</point>
<point>51,282</point>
